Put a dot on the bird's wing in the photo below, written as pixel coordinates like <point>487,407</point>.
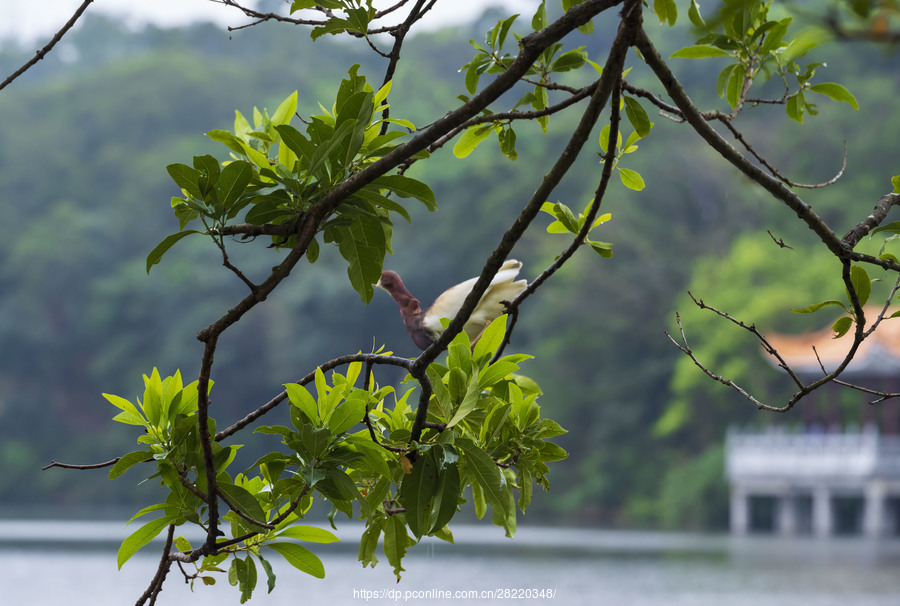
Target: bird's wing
<point>502,288</point>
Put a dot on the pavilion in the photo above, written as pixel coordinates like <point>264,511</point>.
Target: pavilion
<point>826,477</point>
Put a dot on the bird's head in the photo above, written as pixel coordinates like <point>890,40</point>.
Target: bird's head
<point>389,281</point>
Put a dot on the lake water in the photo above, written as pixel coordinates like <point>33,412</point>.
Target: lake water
<point>74,564</point>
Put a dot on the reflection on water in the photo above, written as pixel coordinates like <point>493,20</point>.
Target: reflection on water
<point>561,566</point>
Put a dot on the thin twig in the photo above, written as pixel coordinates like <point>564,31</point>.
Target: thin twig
<point>778,241</point>
<point>329,365</point>
<point>82,467</point>
<point>43,52</point>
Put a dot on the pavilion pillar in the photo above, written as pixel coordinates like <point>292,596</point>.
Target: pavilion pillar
<point>822,524</point>
<point>873,510</point>
<point>787,515</point>
<point>740,514</point>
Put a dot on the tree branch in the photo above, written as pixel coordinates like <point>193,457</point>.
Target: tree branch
<point>766,181</point>
<point>82,467</point>
<point>43,52</point>
<point>367,358</point>
<point>164,565</point>
<point>611,71</point>
<point>864,227</point>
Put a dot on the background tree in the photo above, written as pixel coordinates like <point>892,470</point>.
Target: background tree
<point>475,420</point>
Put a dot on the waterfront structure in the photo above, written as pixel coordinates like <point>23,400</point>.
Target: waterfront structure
<point>846,482</point>
<point>824,478</point>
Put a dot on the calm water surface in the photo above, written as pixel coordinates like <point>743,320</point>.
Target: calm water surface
<point>572,567</point>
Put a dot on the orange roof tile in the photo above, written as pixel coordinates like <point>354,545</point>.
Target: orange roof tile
<point>878,355</point>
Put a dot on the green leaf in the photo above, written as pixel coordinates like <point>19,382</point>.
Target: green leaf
<point>310,534</point>
<point>895,181</point>
<point>637,116</point>
<point>802,44</point>
<point>539,20</point>
<point>416,491</point>
<point>127,461</point>
<point>631,179</point>
<point>227,139</point>
<point>325,150</point>
<point>395,543</point>
<point>406,187</point>
<point>139,538</point>
<point>208,168</point>
<point>373,197</point>
<point>468,403</point>
<point>186,178</point>
<point>604,249</point>
<point>699,51</point>
<point>473,72</point>
<point>507,140</point>
<point>666,10</point>
<point>694,16</point>
<point>774,36</point>
<point>604,138</point>
<point>841,327</point>
<point>817,306</point>
<point>835,91</point>
<point>735,86</point>
<point>233,181</point>
<point>486,473</point>
<point>300,558</point>
<point>471,138</point>
<point>157,253</point>
<point>490,340</point>
<point>574,59</point>
<point>363,245</point>
<point>296,141</point>
<point>303,400</point>
<point>242,573</point>
<point>505,517</point>
<point>270,574</point>
<point>862,284</point>
<point>794,107</point>
<point>285,111</point>
<point>243,500</point>
<point>315,439</point>
<point>348,414</point>
<point>894,226</point>
<point>446,497</point>
<point>130,415</point>
<point>497,371</point>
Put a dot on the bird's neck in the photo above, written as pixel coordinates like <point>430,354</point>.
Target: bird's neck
<point>411,312</point>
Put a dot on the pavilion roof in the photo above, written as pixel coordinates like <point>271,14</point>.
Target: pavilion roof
<point>878,355</point>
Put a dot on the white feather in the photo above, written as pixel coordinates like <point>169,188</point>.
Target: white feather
<point>502,288</point>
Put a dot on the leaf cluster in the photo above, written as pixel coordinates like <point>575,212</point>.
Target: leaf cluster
<point>491,58</point>
<point>349,447</point>
<point>277,173</point>
<point>759,49</point>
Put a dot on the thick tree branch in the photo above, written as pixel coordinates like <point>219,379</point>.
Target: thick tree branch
<point>599,194</point>
<point>601,95</point>
<point>771,184</point>
<point>864,227</point>
<point>164,565</point>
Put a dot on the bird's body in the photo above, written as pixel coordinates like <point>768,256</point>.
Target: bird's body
<point>424,326</point>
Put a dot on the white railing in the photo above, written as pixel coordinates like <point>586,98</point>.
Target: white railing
<point>782,455</point>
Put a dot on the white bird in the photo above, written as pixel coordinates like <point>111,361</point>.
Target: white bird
<point>425,326</point>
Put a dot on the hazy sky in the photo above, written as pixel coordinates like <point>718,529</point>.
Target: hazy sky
<point>38,20</point>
